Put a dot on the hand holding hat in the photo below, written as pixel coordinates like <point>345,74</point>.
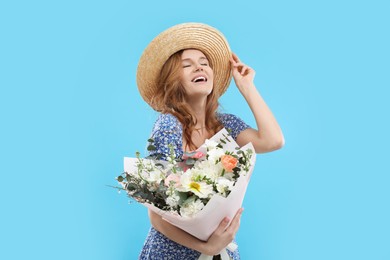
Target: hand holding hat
<point>198,36</point>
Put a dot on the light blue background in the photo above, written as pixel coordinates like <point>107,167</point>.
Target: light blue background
<point>70,111</point>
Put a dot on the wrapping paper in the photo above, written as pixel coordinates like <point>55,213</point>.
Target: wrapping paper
<point>204,223</point>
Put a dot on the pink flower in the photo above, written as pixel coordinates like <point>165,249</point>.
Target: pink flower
<point>194,155</point>
<point>172,178</point>
<point>228,162</point>
<point>198,155</point>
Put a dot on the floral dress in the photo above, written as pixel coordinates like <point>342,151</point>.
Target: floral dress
<point>168,130</point>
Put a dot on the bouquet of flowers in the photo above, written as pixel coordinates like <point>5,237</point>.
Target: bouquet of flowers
<point>197,191</point>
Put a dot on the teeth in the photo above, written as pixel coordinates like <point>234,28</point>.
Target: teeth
<point>199,78</point>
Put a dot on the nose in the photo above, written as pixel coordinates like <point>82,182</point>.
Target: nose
<point>198,68</point>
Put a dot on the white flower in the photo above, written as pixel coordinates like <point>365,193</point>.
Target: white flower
<point>190,182</point>
<point>155,176</point>
<point>229,176</point>
<point>215,154</point>
<point>224,185</point>
<point>191,207</point>
<point>149,164</point>
<point>173,200</point>
<point>210,144</point>
<point>208,169</point>
<point>142,175</point>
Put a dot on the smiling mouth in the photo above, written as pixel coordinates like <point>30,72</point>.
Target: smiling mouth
<point>199,79</point>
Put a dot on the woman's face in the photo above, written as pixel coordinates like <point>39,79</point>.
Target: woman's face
<point>197,76</point>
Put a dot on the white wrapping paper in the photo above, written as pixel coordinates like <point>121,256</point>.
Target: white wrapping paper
<point>204,223</point>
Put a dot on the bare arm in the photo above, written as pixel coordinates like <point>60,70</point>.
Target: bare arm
<point>269,136</point>
<point>221,237</point>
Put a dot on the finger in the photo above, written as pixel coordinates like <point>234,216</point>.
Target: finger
<point>222,226</point>
<point>235,57</point>
<point>239,64</point>
<point>235,224</point>
<point>232,61</point>
<point>236,68</point>
<point>244,69</point>
<point>232,229</point>
<point>238,213</point>
<point>236,61</point>
<point>249,70</point>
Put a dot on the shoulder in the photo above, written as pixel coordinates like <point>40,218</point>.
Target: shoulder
<point>166,131</point>
<point>232,123</point>
<point>230,119</point>
<point>225,117</point>
<point>166,122</point>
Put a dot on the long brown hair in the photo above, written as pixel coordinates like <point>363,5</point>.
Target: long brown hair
<point>170,98</point>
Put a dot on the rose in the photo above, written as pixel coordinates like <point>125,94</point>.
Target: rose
<point>194,155</point>
<point>228,162</point>
<point>198,155</point>
<point>190,158</point>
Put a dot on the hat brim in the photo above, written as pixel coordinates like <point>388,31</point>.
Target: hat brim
<point>199,36</point>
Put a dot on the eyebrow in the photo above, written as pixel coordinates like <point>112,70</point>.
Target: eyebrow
<point>201,58</point>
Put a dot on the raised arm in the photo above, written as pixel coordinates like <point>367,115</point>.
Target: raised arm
<point>268,136</point>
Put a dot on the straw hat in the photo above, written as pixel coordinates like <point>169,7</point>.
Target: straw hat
<point>199,36</point>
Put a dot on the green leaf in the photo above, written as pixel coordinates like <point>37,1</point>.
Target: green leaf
<point>183,196</point>
<point>190,161</point>
<point>143,195</point>
<point>190,199</point>
<point>131,186</point>
<point>189,154</point>
<point>119,178</point>
<point>151,147</point>
<point>128,178</point>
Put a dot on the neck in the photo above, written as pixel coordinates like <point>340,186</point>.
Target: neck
<point>198,108</point>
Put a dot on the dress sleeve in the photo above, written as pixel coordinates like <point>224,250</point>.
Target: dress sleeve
<point>166,131</point>
<point>233,124</point>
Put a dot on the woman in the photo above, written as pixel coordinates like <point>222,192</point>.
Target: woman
<point>181,74</point>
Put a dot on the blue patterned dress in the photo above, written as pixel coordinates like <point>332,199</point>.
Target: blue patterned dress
<point>168,130</point>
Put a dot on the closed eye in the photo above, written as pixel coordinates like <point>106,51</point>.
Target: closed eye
<point>186,66</point>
